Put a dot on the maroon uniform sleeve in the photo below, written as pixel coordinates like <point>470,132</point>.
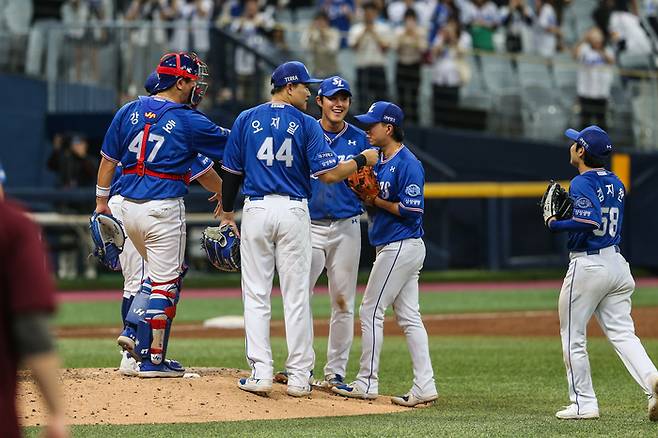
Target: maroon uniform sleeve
<point>29,281</point>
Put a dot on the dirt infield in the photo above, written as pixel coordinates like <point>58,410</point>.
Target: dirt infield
<point>102,396</point>
<point>529,323</point>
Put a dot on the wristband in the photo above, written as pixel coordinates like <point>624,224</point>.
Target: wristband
<point>360,161</point>
<point>102,192</point>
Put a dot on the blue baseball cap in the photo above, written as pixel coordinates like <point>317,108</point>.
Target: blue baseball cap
<point>333,85</point>
<point>293,72</point>
<point>594,139</point>
<point>151,82</point>
<point>382,111</point>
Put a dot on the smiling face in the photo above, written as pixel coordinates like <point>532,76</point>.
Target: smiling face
<point>334,108</point>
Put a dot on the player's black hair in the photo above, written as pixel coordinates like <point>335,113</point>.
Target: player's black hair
<point>369,5</point>
<point>398,134</point>
<point>410,13</point>
<point>275,90</point>
<point>593,161</point>
<point>322,14</point>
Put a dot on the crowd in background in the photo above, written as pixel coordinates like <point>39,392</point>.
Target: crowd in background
<point>419,32</point>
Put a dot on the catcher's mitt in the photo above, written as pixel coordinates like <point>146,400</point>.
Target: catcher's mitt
<point>556,203</point>
<point>364,183</point>
<point>222,247</point>
<point>109,237</point>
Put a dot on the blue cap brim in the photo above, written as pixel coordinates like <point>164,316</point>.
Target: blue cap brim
<point>313,81</point>
<point>366,118</point>
<point>333,91</point>
<point>572,134</point>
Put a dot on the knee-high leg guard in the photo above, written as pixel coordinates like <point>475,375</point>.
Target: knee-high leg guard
<point>160,314</point>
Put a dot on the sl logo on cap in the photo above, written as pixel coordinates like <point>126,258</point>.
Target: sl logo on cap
<point>337,82</point>
<point>372,107</point>
<point>150,115</point>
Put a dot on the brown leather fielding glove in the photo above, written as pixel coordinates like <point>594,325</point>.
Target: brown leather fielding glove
<point>364,183</point>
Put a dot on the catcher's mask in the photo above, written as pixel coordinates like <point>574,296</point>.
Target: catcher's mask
<point>183,65</point>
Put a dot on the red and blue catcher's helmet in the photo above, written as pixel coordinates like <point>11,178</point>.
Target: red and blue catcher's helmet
<point>182,65</point>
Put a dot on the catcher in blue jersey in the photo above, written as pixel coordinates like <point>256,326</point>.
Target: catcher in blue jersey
<point>156,139</point>
<point>599,280</point>
<point>273,150</point>
<point>396,231</point>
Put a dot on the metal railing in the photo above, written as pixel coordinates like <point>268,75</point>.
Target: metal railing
<point>509,95</point>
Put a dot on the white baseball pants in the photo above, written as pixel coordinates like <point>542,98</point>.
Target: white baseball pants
<point>599,284</point>
<point>157,229</point>
<point>133,267</point>
<point>276,234</point>
<point>337,246</point>
<point>394,281</point>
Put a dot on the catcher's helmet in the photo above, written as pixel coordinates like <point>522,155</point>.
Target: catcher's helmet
<point>182,65</point>
<point>222,247</point>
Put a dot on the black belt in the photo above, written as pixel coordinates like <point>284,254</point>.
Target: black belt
<point>260,198</point>
<point>598,251</point>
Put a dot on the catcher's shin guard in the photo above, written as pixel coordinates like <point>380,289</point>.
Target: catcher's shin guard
<point>159,316</point>
<point>129,339</point>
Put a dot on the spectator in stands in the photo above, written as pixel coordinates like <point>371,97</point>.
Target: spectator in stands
<point>594,77</point>
<point>370,41</point>
<point>146,43</point>
<point>251,26</point>
<point>397,8</point>
<point>627,34</point>
<point>410,44</point>
<point>516,17</point>
<point>449,71</point>
<point>15,18</point>
<point>546,29</point>
<point>483,19</point>
<point>28,302</point>
<point>280,47</point>
<point>443,11</point>
<point>78,17</point>
<point>340,13</point>
<point>322,42</point>
<point>192,18</point>
<point>72,163</point>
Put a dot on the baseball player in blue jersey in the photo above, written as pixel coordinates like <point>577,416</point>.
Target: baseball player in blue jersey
<point>396,232</point>
<point>599,279</point>
<point>273,149</point>
<point>156,139</point>
<point>133,267</point>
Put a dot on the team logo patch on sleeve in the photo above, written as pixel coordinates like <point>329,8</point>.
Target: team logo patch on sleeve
<point>412,190</point>
<point>584,203</point>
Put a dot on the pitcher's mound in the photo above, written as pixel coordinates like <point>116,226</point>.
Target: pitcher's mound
<point>102,396</point>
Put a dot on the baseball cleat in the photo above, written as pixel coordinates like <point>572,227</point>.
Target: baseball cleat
<point>126,341</point>
<point>148,370</point>
<point>129,366</point>
<point>573,412</point>
<point>353,391</point>
<point>329,381</point>
<point>174,365</point>
<point>409,400</point>
<point>299,391</point>
<point>281,377</point>
<point>257,386</point>
<point>653,401</point>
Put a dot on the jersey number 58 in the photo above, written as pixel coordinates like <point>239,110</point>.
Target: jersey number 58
<point>283,154</point>
<point>609,222</point>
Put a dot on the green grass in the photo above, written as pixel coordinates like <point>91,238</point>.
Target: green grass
<point>197,279</point>
<point>488,387</point>
<point>199,309</point>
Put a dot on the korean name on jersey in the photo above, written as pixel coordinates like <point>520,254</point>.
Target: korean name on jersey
<point>277,147</point>
<point>598,199</point>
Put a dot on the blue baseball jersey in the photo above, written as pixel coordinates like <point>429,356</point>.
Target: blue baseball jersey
<point>401,179</point>
<point>598,199</point>
<point>277,147</point>
<point>176,135</point>
<point>338,201</point>
<point>200,166</point>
